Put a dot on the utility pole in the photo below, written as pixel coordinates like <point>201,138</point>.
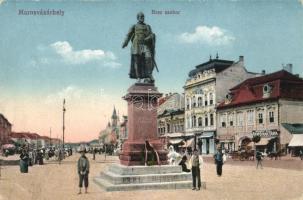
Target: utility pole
<point>63,128</point>
<point>50,137</point>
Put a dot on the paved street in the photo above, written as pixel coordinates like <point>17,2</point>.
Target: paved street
<point>240,180</point>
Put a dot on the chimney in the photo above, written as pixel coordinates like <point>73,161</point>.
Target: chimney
<point>263,72</point>
<point>241,58</point>
<point>288,67</point>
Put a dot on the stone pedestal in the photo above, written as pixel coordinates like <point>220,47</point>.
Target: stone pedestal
<point>142,104</point>
<point>124,178</point>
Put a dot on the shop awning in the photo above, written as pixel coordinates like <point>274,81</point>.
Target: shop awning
<point>188,143</point>
<point>296,141</point>
<point>207,135</point>
<point>173,135</point>
<point>175,140</point>
<point>264,141</point>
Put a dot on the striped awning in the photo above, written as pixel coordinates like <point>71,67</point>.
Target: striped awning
<point>296,141</point>
<point>264,141</point>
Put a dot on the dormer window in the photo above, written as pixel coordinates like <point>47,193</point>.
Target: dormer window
<point>267,89</point>
<point>228,98</point>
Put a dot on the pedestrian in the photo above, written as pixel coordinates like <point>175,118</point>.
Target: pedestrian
<point>183,164</point>
<point>219,161</point>
<point>40,157</point>
<point>24,158</point>
<point>30,158</point>
<point>196,161</point>
<point>83,170</point>
<point>259,159</point>
<point>94,153</point>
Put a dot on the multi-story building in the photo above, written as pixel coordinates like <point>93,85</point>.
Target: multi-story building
<point>5,130</point>
<point>259,106</point>
<point>171,120</point>
<point>171,114</point>
<point>207,85</point>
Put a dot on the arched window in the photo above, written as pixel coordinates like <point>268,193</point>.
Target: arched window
<point>211,99</point>
<point>200,121</point>
<point>193,102</point>
<point>211,119</point>
<point>199,101</point>
<point>206,120</point>
<point>187,103</point>
<point>205,100</point>
<point>194,121</point>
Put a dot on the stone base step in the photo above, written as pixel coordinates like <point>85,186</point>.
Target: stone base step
<point>143,186</point>
<point>138,170</point>
<point>146,178</point>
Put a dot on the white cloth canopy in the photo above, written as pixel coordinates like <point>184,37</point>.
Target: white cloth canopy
<point>175,140</point>
<point>296,141</point>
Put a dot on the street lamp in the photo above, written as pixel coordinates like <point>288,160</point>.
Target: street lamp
<point>63,127</point>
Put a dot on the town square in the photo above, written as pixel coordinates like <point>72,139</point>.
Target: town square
<point>150,99</point>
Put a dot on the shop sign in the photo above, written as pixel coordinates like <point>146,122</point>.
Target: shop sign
<point>226,137</point>
<point>265,133</point>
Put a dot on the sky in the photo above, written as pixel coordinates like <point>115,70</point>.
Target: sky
<point>78,56</point>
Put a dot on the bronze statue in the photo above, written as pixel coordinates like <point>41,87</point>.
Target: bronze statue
<point>142,50</point>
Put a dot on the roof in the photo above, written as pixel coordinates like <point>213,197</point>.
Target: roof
<point>171,112</point>
<point>217,64</point>
<point>282,83</point>
<point>293,128</point>
<point>114,115</point>
<point>25,135</point>
<point>281,75</point>
<point>3,117</point>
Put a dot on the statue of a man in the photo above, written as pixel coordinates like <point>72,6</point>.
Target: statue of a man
<point>142,50</point>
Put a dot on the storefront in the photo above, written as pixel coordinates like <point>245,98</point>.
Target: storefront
<point>227,142</point>
<point>206,142</point>
<point>269,140</point>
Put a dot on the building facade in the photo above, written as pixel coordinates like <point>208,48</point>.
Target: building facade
<point>171,120</point>
<point>5,130</point>
<point>204,89</point>
<point>259,106</point>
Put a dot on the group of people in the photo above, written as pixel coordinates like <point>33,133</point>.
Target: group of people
<point>29,158</point>
<point>195,163</point>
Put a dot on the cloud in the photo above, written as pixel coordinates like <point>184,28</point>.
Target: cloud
<point>214,36</point>
<point>70,56</point>
<point>70,92</point>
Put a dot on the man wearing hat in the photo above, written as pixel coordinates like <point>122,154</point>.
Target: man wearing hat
<point>83,170</point>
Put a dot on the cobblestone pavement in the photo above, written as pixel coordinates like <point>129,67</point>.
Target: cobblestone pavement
<point>240,180</point>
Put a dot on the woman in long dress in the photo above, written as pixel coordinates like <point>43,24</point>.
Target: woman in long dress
<point>24,158</point>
